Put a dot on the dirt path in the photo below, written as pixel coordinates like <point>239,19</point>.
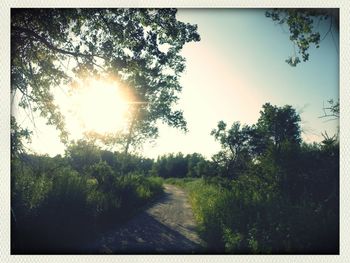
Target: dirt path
<point>167,226</point>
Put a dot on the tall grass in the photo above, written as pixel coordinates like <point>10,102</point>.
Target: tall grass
<point>57,210</point>
<point>182,182</point>
<point>248,216</point>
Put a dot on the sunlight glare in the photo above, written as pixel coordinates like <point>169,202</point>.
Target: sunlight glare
<point>101,106</point>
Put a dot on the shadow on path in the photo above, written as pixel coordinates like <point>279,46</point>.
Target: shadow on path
<point>151,237</point>
<point>165,227</point>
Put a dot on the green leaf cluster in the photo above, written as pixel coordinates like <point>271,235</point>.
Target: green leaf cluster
<point>139,47</point>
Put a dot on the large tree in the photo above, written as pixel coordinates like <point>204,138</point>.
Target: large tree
<point>138,47</point>
<point>241,144</point>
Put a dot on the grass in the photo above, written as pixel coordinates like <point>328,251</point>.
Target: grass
<point>59,212</point>
<point>244,217</point>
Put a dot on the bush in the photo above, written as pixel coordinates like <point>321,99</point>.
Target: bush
<point>56,209</point>
<point>251,215</point>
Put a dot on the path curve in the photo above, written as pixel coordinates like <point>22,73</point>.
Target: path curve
<point>166,227</point>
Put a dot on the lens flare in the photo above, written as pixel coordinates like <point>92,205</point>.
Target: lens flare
<point>101,105</point>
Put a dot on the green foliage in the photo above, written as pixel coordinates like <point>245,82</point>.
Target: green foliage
<point>82,155</point>
<point>234,156</point>
<point>271,209</point>
<point>179,166</point>
<point>103,174</point>
<point>279,125</point>
<point>242,145</point>
<point>18,135</point>
<point>72,199</point>
<point>284,199</point>
<point>204,199</point>
<point>126,44</point>
<point>28,190</point>
<point>303,29</point>
<point>182,182</point>
<point>137,189</point>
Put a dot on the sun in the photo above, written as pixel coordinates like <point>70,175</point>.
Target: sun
<point>100,105</point>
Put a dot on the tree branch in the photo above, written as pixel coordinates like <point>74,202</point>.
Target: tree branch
<point>329,30</point>
<point>51,46</point>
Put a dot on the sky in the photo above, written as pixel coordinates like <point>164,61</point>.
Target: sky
<point>238,65</point>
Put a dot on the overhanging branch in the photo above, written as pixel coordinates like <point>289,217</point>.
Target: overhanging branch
<point>52,46</point>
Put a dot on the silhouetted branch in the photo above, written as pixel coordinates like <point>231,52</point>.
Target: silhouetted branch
<point>52,46</point>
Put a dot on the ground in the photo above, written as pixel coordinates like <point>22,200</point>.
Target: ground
<point>167,226</point>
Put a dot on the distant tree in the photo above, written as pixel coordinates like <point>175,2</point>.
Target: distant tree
<point>301,23</point>
<point>176,165</point>
<point>159,167</point>
<point>205,169</point>
<point>82,155</point>
<point>139,47</point>
<point>234,156</point>
<point>277,125</point>
<point>180,166</point>
<point>196,165</point>
<point>145,165</point>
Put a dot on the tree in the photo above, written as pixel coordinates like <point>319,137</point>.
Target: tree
<point>196,165</point>
<point>82,155</point>
<point>138,47</point>
<point>234,156</point>
<point>301,24</point>
<point>277,125</point>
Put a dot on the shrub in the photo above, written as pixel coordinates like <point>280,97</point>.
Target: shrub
<point>250,215</point>
<point>56,208</point>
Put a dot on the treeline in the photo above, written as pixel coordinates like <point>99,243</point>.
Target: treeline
<point>270,192</point>
<point>61,204</point>
<point>180,166</point>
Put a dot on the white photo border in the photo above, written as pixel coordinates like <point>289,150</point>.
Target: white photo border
<point>344,71</point>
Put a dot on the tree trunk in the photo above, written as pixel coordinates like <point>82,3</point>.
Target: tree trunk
<point>130,134</point>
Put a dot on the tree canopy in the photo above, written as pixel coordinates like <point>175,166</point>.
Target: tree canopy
<point>302,27</point>
<point>241,144</point>
<point>138,47</point>
<point>279,124</point>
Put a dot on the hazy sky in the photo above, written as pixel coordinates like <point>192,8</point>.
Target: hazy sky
<point>238,65</point>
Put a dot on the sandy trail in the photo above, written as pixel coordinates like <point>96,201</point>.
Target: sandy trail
<point>167,226</point>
